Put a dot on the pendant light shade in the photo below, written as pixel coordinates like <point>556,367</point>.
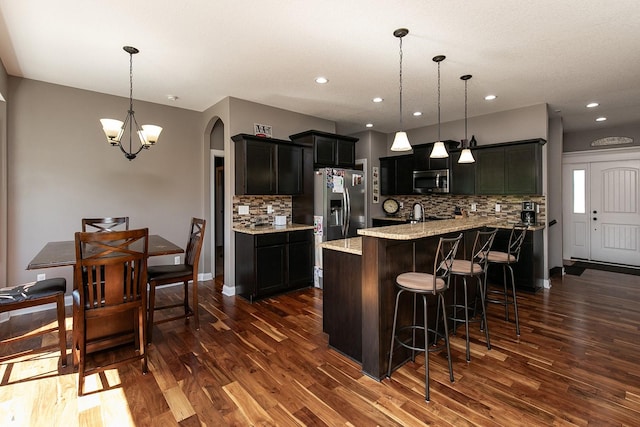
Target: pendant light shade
<point>439,151</point>
<point>401,142</point>
<point>465,155</point>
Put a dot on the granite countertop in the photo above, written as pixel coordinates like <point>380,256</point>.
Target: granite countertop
<point>352,245</point>
<point>392,218</point>
<point>269,228</point>
<point>436,228</point>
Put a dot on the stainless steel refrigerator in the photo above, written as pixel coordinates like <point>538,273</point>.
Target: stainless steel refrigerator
<point>339,208</point>
<point>339,202</point>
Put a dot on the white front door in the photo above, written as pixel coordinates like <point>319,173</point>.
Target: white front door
<point>615,212</point>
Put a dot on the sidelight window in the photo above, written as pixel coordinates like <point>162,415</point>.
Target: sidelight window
<point>579,192</point>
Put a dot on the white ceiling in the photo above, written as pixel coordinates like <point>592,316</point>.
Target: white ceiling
<point>562,52</point>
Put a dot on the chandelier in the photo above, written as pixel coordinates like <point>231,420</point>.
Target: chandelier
<point>115,129</point>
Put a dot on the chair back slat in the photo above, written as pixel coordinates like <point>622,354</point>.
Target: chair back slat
<point>105,224</point>
<point>445,254</point>
<point>482,246</point>
<point>194,242</point>
<point>111,267</point>
<point>516,239</point>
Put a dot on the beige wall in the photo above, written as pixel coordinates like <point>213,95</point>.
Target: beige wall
<point>239,116</point>
<point>581,141</point>
<point>60,169</point>
<point>3,174</point>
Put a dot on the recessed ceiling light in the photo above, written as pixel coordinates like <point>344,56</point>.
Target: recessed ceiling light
<point>490,97</point>
<point>417,113</point>
<point>369,125</point>
<point>377,99</point>
<point>322,80</point>
<point>601,119</point>
<point>592,104</point>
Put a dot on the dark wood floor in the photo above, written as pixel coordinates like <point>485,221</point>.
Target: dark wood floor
<point>577,363</point>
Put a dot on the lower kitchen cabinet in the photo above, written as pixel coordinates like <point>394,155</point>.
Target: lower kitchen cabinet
<point>271,263</point>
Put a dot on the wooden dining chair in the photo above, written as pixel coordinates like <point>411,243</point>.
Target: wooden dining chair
<point>35,294</point>
<point>161,275</point>
<point>105,224</point>
<point>111,273</point>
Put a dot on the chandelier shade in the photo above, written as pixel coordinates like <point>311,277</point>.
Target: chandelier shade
<point>114,129</point>
<point>401,141</point>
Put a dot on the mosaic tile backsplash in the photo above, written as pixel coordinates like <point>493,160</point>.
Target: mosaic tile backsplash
<point>445,204</point>
<point>258,205</point>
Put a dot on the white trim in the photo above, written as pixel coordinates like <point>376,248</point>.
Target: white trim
<point>609,154</point>
<point>228,290</point>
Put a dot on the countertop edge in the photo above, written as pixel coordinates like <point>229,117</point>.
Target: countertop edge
<point>269,229</point>
<point>352,245</point>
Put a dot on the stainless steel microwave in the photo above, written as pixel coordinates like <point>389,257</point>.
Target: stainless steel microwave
<point>431,181</point>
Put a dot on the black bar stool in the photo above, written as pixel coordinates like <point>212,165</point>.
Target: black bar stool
<point>476,267</point>
<point>506,260</point>
<point>425,284</point>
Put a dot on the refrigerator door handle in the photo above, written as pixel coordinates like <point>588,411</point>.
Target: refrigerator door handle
<point>348,212</point>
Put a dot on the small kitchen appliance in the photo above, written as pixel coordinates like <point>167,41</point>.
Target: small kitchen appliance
<point>528,213</point>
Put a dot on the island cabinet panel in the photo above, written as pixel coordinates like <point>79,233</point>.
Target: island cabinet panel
<point>528,272</point>
<point>265,166</point>
<point>342,302</point>
<point>267,264</point>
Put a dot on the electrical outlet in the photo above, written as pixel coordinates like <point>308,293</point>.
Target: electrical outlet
<point>474,207</point>
<point>401,205</point>
<point>243,210</point>
<point>269,209</point>
<point>497,207</point>
<point>176,259</point>
<point>41,276</point>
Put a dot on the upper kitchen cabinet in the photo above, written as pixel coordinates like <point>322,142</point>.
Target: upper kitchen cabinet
<point>422,161</point>
<point>329,150</point>
<point>463,175</point>
<point>265,166</point>
<point>512,168</point>
<point>396,175</point>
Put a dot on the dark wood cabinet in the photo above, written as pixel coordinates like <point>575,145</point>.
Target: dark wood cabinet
<point>463,175</point>
<point>396,175</point>
<point>528,271</point>
<point>267,264</point>
<point>329,150</point>
<point>422,161</point>
<point>512,168</point>
<point>490,171</point>
<point>267,166</point>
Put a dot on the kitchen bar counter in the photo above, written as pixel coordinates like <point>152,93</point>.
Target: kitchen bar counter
<point>269,228</point>
<point>421,230</point>
<point>352,245</point>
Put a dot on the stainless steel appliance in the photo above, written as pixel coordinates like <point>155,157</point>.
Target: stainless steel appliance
<point>528,215</point>
<point>339,200</point>
<point>431,181</point>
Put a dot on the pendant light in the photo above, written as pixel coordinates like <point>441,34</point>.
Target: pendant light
<point>401,142</point>
<point>465,154</point>
<point>439,151</point>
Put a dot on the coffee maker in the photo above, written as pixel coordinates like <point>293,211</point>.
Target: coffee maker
<point>528,213</point>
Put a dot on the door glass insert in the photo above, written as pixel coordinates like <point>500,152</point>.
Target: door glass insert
<point>579,202</point>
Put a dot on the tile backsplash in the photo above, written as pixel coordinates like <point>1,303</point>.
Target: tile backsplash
<point>258,209</point>
<point>444,205</point>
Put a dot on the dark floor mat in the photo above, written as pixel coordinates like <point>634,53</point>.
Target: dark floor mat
<point>573,270</point>
<point>604,267</point>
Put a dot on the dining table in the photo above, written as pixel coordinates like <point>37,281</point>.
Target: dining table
<point>101,333</point>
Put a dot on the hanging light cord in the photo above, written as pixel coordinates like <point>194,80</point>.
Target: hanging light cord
<point>465,115</point>
<point>130,99</point>
<point>401,126</point>
<point>439,101</point>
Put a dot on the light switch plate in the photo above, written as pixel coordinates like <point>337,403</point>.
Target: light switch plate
<point>269,208</point>
<point>474,207</point>
<point>243,210</point>
<point>497,207</point>
<point>41,276</point>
